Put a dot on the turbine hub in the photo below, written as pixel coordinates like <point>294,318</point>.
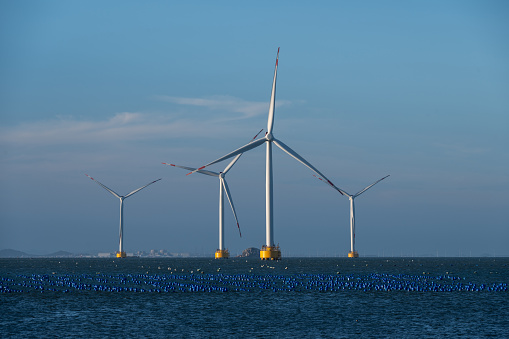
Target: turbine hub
<point>269,136</point>
<point>221,174</point>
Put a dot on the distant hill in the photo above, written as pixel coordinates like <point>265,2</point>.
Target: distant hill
<point>250,252</point>
<point>8,253</point>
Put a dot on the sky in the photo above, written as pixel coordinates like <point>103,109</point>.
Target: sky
<point>415,90</point>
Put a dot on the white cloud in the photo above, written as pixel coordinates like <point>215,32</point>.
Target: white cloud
<point>127,126</point>
<point>122,126</point>
<point>225,103</point>
<point>125,118</point>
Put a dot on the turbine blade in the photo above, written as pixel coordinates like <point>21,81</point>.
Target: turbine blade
<point>293,154</point>
<point>228,195</point>
<point>243,149</point>
<point>106,188</point>
<point>139,189</point>
<point>257,134</point>
<point>272,104</point>
<point>367,188</point>
<point>230,165</point>
<point>335,187</point>
<point>184,167</point>
<point>213,174</point>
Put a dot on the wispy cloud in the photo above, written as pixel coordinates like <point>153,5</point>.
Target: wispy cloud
<point>120,127</point>
<point>130,126</point>
<point>246,108</point>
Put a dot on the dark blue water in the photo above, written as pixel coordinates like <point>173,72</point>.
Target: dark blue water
<point>309,297</point>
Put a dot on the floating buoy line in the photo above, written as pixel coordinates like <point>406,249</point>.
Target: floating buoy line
<point>219,282</point>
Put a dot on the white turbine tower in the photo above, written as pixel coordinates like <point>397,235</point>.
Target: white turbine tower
<point>353,253</point>
<point>269,251</point>
<point>222,252</point>
<point>121,253</point>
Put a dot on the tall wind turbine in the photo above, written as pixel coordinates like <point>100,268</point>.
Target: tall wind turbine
<point>353,253</point>
<point>269,251</point>
<point>121,253</point>
<point>222,252</point>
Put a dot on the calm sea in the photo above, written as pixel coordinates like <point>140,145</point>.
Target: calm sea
<point>296,297</point>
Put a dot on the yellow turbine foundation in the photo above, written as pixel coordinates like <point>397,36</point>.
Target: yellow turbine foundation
<point>270,253</point>
<point>353,254</point>
<point>121,254</point>
<point>222,254</point>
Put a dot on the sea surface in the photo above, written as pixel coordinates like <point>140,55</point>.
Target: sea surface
<point>244,298</point>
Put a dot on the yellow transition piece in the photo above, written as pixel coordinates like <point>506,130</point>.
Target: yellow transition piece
<point>270,253</point>
<point>222,254</point>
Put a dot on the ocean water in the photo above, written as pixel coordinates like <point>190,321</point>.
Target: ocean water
<point>295,297</point>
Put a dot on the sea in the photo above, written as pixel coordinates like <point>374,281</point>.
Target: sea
<point>250,298</point>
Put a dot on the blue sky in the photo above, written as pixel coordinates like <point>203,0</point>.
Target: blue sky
<point>417,90</point>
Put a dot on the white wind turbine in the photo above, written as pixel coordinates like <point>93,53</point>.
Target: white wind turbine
<point>269,250</point>
<point>353,253</point>
<point>222,252</point>
<point>121,253</point>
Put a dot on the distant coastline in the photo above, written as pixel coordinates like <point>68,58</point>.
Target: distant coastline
<point>10,253</point>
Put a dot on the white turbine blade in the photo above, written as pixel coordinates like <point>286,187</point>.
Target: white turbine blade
<point>243,149</point>
<point>228,195</point>
<point>213,174</point>
<point>230,165</point>
<point>293,154</point>
<point>272,104</point>
<point>367,188</point>
<point>139,189</point>
<point>343,192</point>
<point>106,188</point>
<point>184,167</point>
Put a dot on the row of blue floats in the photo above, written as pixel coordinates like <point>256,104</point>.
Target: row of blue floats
<point>184,283</point>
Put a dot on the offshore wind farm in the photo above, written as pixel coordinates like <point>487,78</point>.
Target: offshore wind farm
<point>269,250</point>
<point>360,91</point>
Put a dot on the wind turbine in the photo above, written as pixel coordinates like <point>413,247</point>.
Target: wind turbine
<point>353,253</point>
<point>269,251</point>
<point>121,253</point>
<point>223,187</point>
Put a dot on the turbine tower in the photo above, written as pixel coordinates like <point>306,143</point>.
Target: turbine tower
<point>353,253</point>
<point>269,251</point>
<point>121,252</point>
<point>221,252</point>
